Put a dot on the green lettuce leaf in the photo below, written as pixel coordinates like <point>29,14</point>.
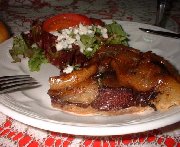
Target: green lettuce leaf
<point>89,42</point>
<point>37,60</point>
<point>21,50</point>
<point>117,34</point>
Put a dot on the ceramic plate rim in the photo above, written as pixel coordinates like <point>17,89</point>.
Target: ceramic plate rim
<point>98,130</point>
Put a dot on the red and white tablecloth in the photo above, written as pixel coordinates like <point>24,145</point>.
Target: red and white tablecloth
<point>14,133</point>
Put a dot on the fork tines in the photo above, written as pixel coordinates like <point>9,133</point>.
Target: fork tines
<point>17,82</point>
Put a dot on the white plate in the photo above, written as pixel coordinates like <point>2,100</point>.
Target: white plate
<point>33,107</point>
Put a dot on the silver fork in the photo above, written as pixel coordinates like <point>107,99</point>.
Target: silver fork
<point>17,82</point>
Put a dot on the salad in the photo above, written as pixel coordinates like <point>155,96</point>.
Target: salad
<point>67,41</point>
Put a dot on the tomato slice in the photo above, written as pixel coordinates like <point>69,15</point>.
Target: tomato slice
<point>63,21</point>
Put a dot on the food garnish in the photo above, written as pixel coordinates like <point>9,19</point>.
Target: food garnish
<point>64,21</point>
<point>34,53</point>
<point>68,45</point>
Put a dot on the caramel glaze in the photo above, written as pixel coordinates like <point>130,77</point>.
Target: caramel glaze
<point>125,77</point>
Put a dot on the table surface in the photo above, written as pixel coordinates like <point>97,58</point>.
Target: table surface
<point>18,14</point>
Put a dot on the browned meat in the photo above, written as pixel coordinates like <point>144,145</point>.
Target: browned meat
<point>120,98</point>
<point>134,69</point>
<point>117,77</point>
<point>113,99</point>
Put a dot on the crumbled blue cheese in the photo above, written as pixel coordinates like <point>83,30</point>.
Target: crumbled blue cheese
<point>89,49</point>
<point>34,45</point>
<point>103,31</point>
<point>72,35</point>
<point>68,69</point>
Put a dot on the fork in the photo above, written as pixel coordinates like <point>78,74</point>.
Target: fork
<point>16,82</point>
